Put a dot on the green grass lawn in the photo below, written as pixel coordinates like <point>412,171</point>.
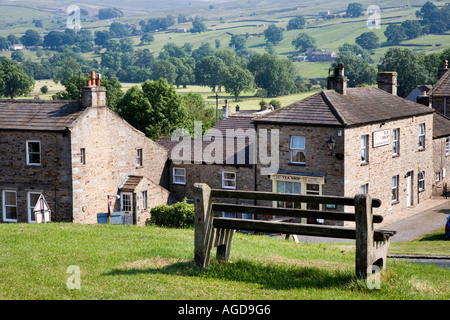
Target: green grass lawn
<point>130,262</point>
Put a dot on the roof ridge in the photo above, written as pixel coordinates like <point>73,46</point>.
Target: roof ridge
<point>335,112</point>
<point>439,82</point>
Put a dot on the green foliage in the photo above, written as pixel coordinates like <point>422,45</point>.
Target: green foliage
<point>178,215</point>
<point>273,34</point>
<point>14,81</point>
<point>368,40</point>
<point>355,10</point>
<point>197,26</point>
<point>358,71</point>
<point>237,80</point>
<point>198,110</point>
<point>296,23</point>
<point>109,13</point>
<point>31,38</point>
<point>412,28</point>
<point>409,67</point>
<point>303,42</point>
<point>395,34</point>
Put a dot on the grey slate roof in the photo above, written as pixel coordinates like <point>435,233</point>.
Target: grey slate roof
<point>358,107</point>
<point>43,115</point>
<point>441,126</point>
<point>442,87</point>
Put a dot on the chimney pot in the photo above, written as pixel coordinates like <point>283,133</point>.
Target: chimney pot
<point>339,81</point>
<point>93,94</point>
<point>444,69</point>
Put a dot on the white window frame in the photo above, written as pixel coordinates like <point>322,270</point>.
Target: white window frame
<point>421,181</point>
<point>174,174</point>
<point>447,146</point>
<point>422,136</point>
<point>365,148</point>
<point>4,205</point>
<point>395,142</point>
<point>31,217</point>
<point>82,155</point>
<point>28,153</point>
<point>144,199</point>
<point>364,189</point>
<point>438,176</point>
<point>301,150</point>
<point>122,198</point>
<point>139,157</point>
<point>395,181</point>
<point>233,180</point>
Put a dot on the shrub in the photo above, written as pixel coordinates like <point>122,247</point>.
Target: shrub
<point>178,215</point>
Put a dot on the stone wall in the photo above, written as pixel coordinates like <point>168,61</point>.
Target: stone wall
<point>52,178</point>
<point>111,146</point>
<point>441,182</point>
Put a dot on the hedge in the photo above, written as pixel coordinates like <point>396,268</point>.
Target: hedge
<point>178,215</point>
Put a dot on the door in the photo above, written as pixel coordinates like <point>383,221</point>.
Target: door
<point>126,202</point>
<point>409,189</point>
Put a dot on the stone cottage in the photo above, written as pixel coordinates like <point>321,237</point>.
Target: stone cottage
<point>344,141</point>
<point>77,154</point>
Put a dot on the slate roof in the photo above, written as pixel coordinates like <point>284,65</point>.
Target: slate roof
<point>130,183</point>
<point>43,115</point>
<point>442,87</point>
<point>360,106</point>
<point>441,126</point>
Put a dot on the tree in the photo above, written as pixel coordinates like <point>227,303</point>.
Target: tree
<point>273,34</point>
<point>357,70</point>
<point>273,74</point>
<point>412,28</point>
<point>54,39</point>
<point>197,26</point>
<point>14,81</point>
<point>355,50</point>
<point>101,37</point>
<point>238,41</point>
<point>147,38</point>
<point>355,10</point>
<point>410,70</point>
<point>237,80</point>
<point>395,34</point>
<point>203,51</point>
<point>198,110</point>
<point>303,42</point>
<point>3,43</point>
<point>208,72</point>
<point>109,13</point>
<point>368,40</point>
<point>163,69</point>
<point>296,23</point>
<point>143,58</point>
<point>17,56</point>
<point>184,71</point>
<point>31,38</point>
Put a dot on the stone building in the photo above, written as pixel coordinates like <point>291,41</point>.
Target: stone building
<point>344,141</point>
<point>76,154</point>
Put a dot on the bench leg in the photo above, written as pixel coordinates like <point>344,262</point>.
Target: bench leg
<point>223,243</point>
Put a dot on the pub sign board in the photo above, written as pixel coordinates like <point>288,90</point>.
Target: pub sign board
<point>381,138</point>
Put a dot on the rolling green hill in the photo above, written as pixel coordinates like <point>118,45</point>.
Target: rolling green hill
<point>225,18</point>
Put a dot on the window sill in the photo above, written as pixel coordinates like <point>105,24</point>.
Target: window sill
<point>179,183</point>
<point>297,164</point>
<point>422,149</point>
<point>421,190</point>
<point>395,202</point>
<point>231,188</point>
<point>396,155</point>
<point>365,163</point>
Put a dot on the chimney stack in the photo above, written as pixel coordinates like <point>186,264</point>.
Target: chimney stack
<point>424,99</point>
<point>339,81</point>
<point>93,95</point>
<point>444,69</point>
<point>387,81</point>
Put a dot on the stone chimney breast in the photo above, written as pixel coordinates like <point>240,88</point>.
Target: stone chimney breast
<point>93,95</point>
<point>387,81</point>
<point>339,81</point>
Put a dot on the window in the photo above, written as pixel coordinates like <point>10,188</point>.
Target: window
<point>179,176</point>
<point>365,148</point>
<point>396,142</point>
<point>33,153</point>
<point>126,201</point>
<point>422,136</point>
<point>288,187</point>
<point>139,157</point>
<point>33,198</point>
<point>365,189</point>
<point>83,155</point>
<point>438,176</point>
<point>298,150</point>
<point>9,206</point>
<point>395,189</point>
<point>144,200</point>
<point>421,181</point>
<point>447,146</point>
<point>229,180</point>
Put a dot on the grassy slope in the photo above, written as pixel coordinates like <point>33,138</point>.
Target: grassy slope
<point>121,262</point>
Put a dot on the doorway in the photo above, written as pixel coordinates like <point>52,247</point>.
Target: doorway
<point>409,185</point>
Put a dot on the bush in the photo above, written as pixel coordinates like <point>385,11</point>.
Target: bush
<point>178,215</point>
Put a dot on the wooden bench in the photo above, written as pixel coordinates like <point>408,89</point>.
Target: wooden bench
<point>211,231</point>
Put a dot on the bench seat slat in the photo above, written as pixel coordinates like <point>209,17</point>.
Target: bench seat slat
<point>240,194</point>
<point>286,212</point>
